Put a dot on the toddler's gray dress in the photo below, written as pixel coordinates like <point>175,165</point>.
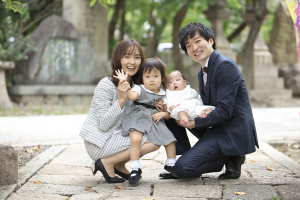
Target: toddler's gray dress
<point>139,118</point>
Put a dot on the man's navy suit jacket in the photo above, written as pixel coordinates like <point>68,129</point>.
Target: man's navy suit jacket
<point>232,121</point>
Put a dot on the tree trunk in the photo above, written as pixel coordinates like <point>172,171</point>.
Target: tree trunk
<point>150,40</point>
<point>122,32</point>
<point>176,55</point>
<point>247,63</point>
<point>112,25</point>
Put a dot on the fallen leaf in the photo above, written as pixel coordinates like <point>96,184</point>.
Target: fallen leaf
<point>288,154</point>
<point>29,151</point>
<point>21,153</point>
<point>34,148</point>
<point>90,166</point>
<point>271,168</point>
<point>122,188</point>
<point>249,161</point>
<point>149,199</point>
<point>37,182</point>
<point>90,189</point>
<point>19,165</point>
<point>240,193</point>
<point>39,146</point>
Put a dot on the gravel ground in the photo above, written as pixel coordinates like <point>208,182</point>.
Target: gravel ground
<point>291,150</point>
<point>28,153</point>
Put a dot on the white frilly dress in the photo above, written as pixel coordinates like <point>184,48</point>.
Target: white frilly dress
<point>189,100</point>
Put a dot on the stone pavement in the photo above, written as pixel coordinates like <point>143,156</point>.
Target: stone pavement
<point>63,172</point>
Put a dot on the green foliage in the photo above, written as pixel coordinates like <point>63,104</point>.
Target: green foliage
<point>13,46</point>
<point>15,6</point>
<point>276,198</point>
<point>103,2</point>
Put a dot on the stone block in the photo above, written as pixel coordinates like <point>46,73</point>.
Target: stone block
<point>29,99</point>
<point>71,100</point>
<point>51,99</point>
<point>268,83</point>
<point>30,196</point>
<point>8,165</point>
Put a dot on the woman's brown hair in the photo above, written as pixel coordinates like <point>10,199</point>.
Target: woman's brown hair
<point>125,47</point>
<point>150,64</point>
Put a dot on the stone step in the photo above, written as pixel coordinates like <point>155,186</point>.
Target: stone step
<point>268,83</point>
<point>271,93</point>
<point>265,71</point>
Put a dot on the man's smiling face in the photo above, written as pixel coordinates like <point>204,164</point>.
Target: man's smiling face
<point>198,48</point>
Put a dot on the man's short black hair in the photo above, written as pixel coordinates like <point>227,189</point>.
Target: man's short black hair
<point>190,30</point>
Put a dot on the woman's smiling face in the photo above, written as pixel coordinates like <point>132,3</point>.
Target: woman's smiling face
<point>131,62</point>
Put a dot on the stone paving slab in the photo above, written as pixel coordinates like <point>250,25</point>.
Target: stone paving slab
<point>289,192</point>
<point>90,196</point>
<point>5,191</point>
<point>51,189</point>
<point>152,198</point>
<point>253,192</point>
<point>75,155</point>
<point>38,162</point>
<point>143,188</point>
<point>184,190</point>
<point>84,181</point>
<point>53,169</point>
<point>29,196</point>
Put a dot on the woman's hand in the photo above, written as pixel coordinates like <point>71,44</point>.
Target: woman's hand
<point>123,87</point>
<point>160,105</point>
<point>173,107</point>
<point>120,75</point>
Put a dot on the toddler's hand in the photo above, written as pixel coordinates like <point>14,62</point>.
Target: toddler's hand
<point>173,107</point>
<point>157,116</point>
<point>120,75</point>
<point>202,115</point>
<point>160,105</point>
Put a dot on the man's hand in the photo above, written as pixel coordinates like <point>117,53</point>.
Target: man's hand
<point>173,107</point>
<point>157,116</point>
<point>192,124</point>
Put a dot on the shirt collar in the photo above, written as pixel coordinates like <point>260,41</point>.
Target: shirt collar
<point>161,91</point>
<point>206,64</point>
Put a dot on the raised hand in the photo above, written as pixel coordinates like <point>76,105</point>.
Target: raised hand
<point>121,76</point>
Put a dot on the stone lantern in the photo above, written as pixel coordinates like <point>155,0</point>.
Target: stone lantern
<point>4,99</point>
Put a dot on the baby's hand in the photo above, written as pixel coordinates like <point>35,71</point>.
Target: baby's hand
<point>157,116</point>
<point>121,76</point>
<point>202,115</point>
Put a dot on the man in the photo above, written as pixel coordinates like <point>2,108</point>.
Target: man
<point>228,132</point>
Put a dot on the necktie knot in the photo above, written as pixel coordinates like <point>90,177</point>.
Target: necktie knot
<point>205,69</point>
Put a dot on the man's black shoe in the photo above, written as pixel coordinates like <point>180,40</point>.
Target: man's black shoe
<point>166,175</point>
<point>233,167</point>
<point>172,171</point>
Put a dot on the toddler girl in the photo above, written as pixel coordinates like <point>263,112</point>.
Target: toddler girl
<point>182,101</point>
<point>143,117</point>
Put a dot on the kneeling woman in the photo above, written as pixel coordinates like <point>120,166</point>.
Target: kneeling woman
<point>101,130</point>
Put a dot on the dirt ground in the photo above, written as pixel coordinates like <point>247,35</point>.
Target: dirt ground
<point>19,110</point>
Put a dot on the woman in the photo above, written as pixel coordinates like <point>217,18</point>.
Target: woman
<point>101,130</point>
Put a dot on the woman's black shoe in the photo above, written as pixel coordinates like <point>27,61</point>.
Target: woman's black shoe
<point>123,175</point>
<point>99,166</point>
<point>135,176</point>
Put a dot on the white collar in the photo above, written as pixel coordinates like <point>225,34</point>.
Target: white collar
<point>206,64</point>
<point>161,91</point>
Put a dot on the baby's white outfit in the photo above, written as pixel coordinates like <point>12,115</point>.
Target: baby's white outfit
<point>189,100</point>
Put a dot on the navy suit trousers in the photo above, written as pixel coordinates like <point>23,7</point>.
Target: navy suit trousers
<point>204,157</point>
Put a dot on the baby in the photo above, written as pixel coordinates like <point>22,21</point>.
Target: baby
<point>182,101</point>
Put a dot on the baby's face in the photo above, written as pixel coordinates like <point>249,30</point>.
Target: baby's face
<point>176,82</point>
